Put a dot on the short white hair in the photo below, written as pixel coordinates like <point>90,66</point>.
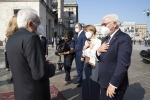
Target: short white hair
<point>112,17</point>
<point>25,15</point>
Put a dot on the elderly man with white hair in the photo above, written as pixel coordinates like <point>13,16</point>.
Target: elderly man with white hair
<point>114,59</point>
<point>30,71</point>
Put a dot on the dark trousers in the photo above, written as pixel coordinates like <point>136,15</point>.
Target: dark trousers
<point>79,67</point>
<point>52,44</point>
<point>6,61</point>
<point>118,96</point>
<point>90,87</point>
<point>67,70</point>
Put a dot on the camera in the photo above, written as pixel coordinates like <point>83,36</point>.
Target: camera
<point>60,46</point>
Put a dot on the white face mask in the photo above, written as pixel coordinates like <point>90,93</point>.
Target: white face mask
<point>76,30</point>
<point>40,30</point>
<point>105,30</point>
<point>88,35</point>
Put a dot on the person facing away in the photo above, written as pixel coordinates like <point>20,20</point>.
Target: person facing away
<point>90,85</point>
<point>30,71</point>
<point>40,32</point>
<point>114,59</point>
<point>79,43</point>
<point>11,28</point>
<point>68,53</point>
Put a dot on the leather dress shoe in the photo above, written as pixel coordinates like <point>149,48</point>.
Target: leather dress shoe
<point>79,85</point>
<point>76,82</point>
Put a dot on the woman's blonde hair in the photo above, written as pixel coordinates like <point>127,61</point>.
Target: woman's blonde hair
<point>12,26</point>
<point>90,28</point>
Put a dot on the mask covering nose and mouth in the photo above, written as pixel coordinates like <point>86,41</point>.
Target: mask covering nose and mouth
<point>105,31</point>
<point>40,29</point>
<point>76,30</point>
<point>88,35</point>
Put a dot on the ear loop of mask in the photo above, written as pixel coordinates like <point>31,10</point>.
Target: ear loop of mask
<point>36,26</point>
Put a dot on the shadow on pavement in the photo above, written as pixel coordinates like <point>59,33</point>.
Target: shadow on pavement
<point>63,71</point>
<point>134,92</point>
<point>5,82</point>
<point>72,94</point>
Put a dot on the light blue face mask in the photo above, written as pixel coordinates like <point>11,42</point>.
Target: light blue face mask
<point>40,29</point>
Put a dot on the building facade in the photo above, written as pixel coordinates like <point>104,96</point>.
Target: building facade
<point>70,15</point>
<point>135,31</point>
<point>43,7</point>
<point>141,29</point>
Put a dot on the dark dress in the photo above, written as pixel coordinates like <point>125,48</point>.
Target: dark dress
<point>90,85</point>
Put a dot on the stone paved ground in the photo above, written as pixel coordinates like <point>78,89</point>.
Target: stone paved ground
<point>139,77</point>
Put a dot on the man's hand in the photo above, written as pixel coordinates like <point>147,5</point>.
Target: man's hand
<point>103,47</point>
<point>110,91</point>
<point>46,56</point>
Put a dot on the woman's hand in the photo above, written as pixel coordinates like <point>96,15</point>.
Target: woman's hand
<point>82,59</point>
<point>87,44</point>
<point>91,45</point>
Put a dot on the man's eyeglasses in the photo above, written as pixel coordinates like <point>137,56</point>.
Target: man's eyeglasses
<point>38,22</point>
<point>105,24</point>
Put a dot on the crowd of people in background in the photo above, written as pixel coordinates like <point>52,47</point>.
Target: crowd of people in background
<point>101,65</point>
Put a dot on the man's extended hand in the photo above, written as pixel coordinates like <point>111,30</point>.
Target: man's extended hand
<point>103,47</point>
<point>110,91</point>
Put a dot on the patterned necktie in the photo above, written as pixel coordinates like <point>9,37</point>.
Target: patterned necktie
<point>108,39</point>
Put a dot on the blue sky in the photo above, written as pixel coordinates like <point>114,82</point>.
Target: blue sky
<point>92,11</point>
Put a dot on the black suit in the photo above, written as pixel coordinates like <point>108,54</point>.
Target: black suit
<point>29,69</point>
<point>114,64</point>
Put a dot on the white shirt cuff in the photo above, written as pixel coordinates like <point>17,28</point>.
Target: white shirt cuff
<point>112,86</point>
<point>98,53</point>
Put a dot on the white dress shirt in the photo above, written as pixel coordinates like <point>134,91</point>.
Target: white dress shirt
<point>91,52</point>
<point>79,33</point>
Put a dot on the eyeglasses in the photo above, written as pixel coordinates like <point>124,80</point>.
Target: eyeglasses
<point>105,24</point>
<point>38,22</point>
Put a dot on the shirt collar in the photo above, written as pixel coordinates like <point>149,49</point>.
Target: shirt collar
<point>114,33</point>
<point>80,32</point>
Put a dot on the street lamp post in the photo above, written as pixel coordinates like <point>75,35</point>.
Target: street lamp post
<point>147,12</point>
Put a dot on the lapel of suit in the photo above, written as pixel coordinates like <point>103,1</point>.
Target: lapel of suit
<point>114,37</point>
<point>111,41</point>
<point>77,38</point>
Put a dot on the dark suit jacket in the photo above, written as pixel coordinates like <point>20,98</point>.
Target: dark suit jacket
<point>114,63</point>
<point>30,72</point>
<point>79,43</point>
<point>44,44</point>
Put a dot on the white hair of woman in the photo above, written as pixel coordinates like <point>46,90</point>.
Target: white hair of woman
<point>112,18</point>
<point>25,15</point>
